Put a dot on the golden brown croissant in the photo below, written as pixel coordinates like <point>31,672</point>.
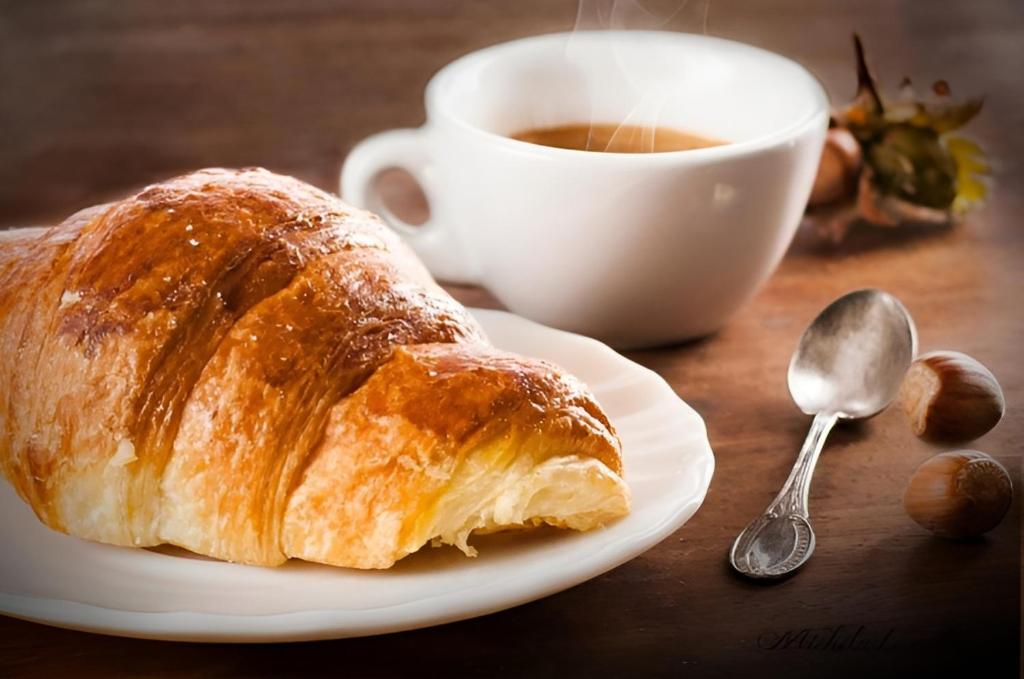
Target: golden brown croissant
<point>242,365</point>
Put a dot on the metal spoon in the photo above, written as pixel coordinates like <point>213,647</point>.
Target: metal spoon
<point>849,365</point>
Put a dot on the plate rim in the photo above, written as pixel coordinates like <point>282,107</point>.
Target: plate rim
<point>335,623</point>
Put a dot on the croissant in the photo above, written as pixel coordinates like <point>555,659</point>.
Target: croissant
<point>242,365</point>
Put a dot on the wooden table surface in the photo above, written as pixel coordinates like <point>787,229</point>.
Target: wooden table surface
<point>99,97</point>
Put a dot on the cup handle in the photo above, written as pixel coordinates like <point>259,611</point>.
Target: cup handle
<point>433,240</point>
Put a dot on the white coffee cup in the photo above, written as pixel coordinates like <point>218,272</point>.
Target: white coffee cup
<point>637,249</point>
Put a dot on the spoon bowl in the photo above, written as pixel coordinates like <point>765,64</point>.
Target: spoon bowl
<point>851,360</point>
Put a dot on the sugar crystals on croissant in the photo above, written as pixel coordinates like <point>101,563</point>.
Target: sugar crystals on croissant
<point>240,364</point>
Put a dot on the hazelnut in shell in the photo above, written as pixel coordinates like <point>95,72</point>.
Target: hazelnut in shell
<point>960,494</point>
<point>838,169</point>
<point>949,396</point>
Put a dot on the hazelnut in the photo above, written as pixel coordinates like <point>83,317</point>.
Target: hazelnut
<point>950,396</point>
<point>960,494</point>
<point>838,169</point>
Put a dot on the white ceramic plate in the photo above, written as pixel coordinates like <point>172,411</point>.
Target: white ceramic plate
<point>170,594</point>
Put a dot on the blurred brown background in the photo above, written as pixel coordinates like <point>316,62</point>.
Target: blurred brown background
<point>101,96</point>
<point>98,97</point>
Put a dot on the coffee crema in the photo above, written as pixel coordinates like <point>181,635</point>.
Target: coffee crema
<point>612,138</point>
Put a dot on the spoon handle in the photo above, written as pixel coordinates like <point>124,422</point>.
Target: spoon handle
<point>781,540</point>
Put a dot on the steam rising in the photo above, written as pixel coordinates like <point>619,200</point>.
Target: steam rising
<point>643,75</point>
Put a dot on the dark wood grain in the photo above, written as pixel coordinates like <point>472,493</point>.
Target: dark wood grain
<point>98,97</point>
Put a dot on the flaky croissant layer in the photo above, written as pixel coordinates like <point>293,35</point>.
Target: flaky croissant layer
<point>242,365</point>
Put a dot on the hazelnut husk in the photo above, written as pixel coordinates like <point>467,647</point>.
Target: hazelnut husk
<point>949,396</point>
<point>886,210</point>
<point>897,162</point>
<point>960,494</point>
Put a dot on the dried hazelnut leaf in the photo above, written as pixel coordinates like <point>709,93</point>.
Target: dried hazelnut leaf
<point>972,169</point>
<point>946,116</point>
